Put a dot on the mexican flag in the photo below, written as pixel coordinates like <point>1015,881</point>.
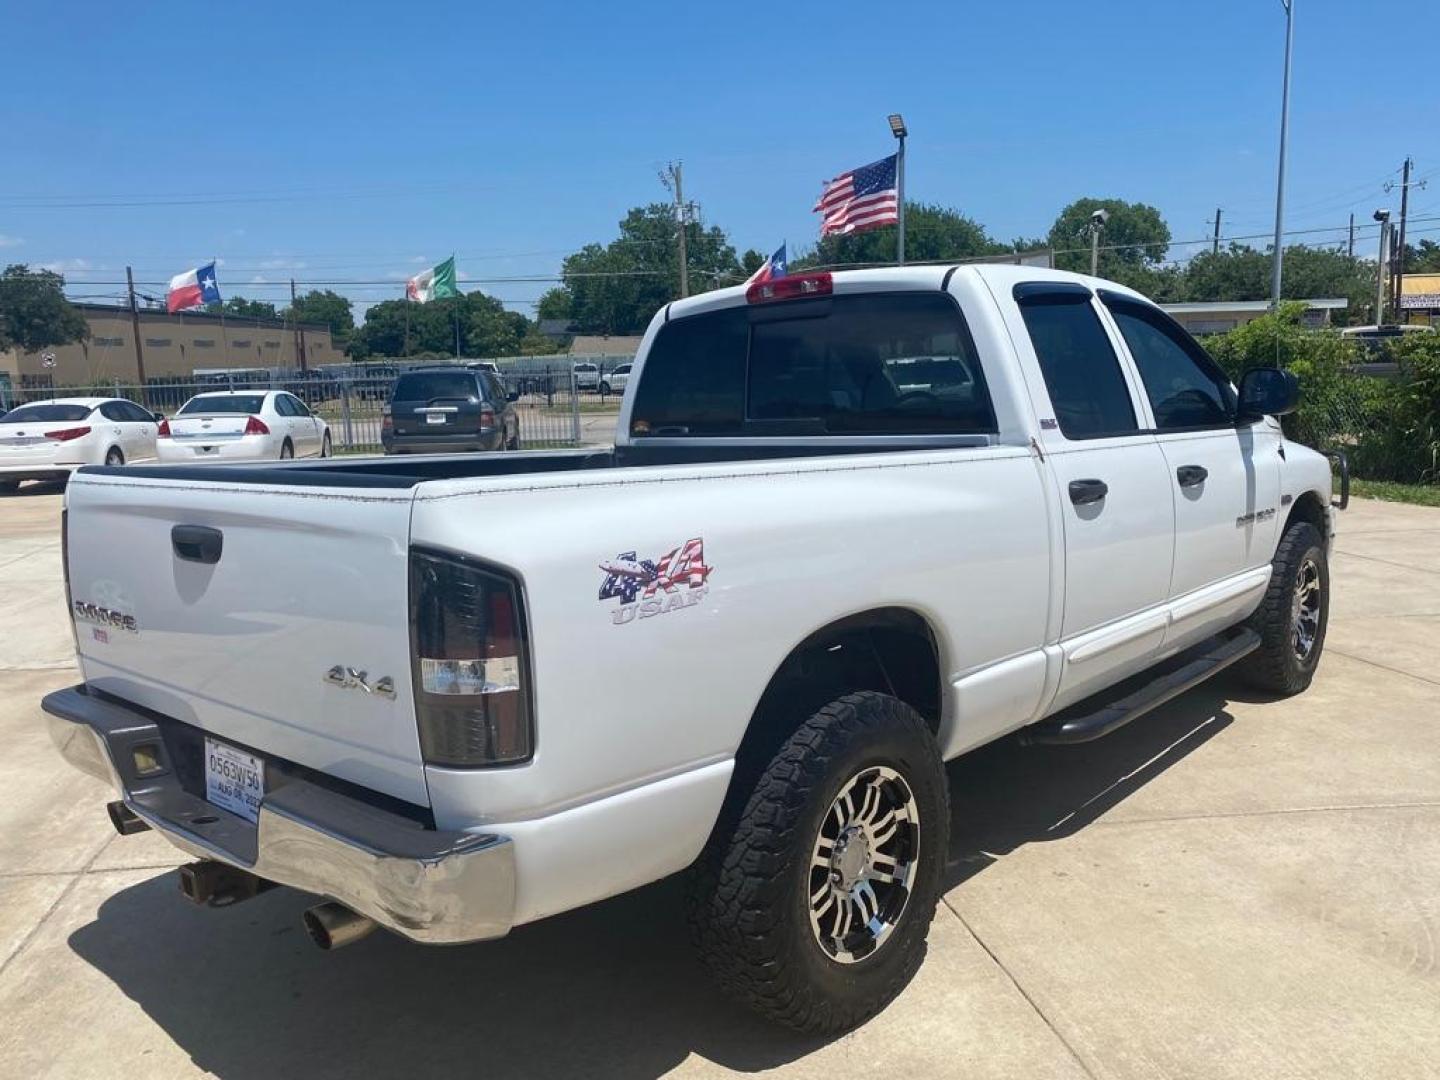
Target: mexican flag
<point>434,284</point>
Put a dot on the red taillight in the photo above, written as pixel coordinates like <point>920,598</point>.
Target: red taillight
<point>472,702</point>
<point>387,422</point>
<point>487,417</point>
<point>68,434</point>
<point>163,430</point>
<point>256,426</point>
<point>790,288</point>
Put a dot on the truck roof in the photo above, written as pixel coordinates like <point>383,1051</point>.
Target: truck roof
<point>1000,276</point>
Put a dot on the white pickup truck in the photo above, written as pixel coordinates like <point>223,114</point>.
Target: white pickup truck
<point>852,526</point>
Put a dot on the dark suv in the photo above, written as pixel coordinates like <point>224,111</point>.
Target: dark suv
<point>448,410</point>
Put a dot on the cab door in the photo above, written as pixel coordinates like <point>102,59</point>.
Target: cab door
<point>1112,488</point>
<point>1224,477</point>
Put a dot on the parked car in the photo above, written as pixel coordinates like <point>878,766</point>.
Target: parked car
<point>741,643</point>
<point>586,376</point>
<point>243,425</point>
<point>47,440</point>
<point>613,381</point>
<point>449,410</point>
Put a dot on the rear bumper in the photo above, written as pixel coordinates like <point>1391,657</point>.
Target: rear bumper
<point>431,886</point>
<point>36,471</point>
<point>190,451</point>
<point>488,439</point>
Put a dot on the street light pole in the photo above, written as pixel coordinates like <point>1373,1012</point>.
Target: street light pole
<point>1284,136</point>
<point>1383,217</point>
<point>898,129</point>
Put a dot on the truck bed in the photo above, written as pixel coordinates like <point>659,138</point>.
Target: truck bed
<point>406,471</point>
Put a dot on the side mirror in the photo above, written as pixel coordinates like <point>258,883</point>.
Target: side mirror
<point>1268,391</point>
<point>512,395</point>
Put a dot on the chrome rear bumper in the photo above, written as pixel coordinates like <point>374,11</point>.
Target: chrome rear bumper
<point>434,887</point>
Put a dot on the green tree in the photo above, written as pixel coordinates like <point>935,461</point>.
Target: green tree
<point>405,328</point>
<point>1244,273</point>
<point>554,304</point>
<point>327,308</point>
<point>932,233</point>
<point>1135,239</point>
<point>242,308</point>
<point>618,287</point>
<point>1422,258</point>
<point>34,313</point>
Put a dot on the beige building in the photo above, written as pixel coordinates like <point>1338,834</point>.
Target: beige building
<point>174,347</point>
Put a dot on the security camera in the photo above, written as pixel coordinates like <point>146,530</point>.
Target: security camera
<point>1100,217</point>
<point>1382,215</point>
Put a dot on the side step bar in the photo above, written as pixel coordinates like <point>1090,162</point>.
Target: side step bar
<point>1095,716</point>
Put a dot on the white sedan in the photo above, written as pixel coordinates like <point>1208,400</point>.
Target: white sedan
<point>47,440</point>
<point>243,425</point>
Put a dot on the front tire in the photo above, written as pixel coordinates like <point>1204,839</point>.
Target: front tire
<point>1291,620</point>
<point>814,895</point>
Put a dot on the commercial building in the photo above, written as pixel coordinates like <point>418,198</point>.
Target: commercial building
<point>1420,299</point>
<point>174,347</point>
<point>1220,316</point>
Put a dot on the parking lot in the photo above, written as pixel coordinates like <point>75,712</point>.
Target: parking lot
<point>1230,887</point>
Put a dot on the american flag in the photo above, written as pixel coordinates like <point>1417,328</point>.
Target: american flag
<point>863,198</point>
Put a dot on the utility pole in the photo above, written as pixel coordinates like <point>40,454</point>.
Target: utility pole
<point>1351,248</point>
<point>1097,225</point>
<point>901,132</point>
<point>1405,186</point>
<point>670,177</point>
<point>1284,135</point>
<point>135,329</point>
<point>299,333</point>
<point>1215,243</point>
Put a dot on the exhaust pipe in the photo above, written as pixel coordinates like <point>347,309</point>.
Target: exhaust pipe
<point>125,820</point>
<point>219,885</point>
<point>331,925</point>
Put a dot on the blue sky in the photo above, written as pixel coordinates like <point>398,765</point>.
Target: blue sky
<point>361,140</point>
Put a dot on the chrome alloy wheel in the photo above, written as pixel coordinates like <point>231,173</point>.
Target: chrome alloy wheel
<point>864,863</point>
<point>1305,610</point>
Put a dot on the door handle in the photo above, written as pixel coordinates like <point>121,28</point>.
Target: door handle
<point>1191,475</point>
<point>197,543</point>
<point>1085,492</point>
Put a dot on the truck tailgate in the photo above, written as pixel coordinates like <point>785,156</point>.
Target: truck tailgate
<point>307,578</point>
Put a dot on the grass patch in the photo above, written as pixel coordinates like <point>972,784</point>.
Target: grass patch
<point>1389,491</point>
<point>612,407</point>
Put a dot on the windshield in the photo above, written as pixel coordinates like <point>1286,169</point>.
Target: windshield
<point>434,385</point>
<point>45,412</point>
<point>223,404</point>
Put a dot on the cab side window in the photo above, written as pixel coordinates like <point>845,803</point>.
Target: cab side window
<point>1185,387</point>
<point>1081,371</point>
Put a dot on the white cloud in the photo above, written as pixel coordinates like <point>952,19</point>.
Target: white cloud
<point>10,241</point>
<point>68,266</point>
<point>282,263</point>
<point>417,258</point>
<point>259,279</point>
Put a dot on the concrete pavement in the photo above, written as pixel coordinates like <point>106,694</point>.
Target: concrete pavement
<point>1230,887</point>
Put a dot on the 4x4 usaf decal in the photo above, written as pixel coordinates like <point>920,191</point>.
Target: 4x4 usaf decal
<point>648,587</point>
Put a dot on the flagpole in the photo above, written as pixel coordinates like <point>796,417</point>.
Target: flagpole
<point>900,131</point>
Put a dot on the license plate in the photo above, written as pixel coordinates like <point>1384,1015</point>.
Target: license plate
<point>234,780</point>
<point>434,418</point>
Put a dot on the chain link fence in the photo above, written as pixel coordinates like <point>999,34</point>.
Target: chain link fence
<point>558,407</point>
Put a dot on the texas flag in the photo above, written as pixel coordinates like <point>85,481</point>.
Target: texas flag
<point>194,288</point>
<point>770,269</point>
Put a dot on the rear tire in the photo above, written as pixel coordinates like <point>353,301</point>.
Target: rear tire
<point>800,908</point>
<point>1291,620</point>
<point>287,450</point>
<point>325,446</point>
<point>114,456</point>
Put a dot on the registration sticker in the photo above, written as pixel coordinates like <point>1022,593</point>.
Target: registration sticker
<point>234,780</point>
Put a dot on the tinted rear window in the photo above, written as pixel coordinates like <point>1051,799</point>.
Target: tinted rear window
<point>223,404</point>
<point>882,364</point>
<point>43,413</point>
<point>432,385</point>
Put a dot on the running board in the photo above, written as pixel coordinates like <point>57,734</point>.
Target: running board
<point>1096,716</point>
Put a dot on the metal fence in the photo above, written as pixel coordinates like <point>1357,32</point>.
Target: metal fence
<point>554,410</point>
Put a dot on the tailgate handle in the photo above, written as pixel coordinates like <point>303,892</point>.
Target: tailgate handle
<point>197,543</point>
